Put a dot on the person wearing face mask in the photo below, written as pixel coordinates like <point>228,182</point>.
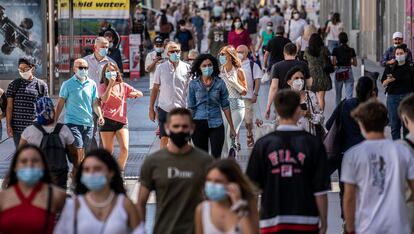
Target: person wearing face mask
<point>192,55</point>
<point>22,94</point>
<point>95,63</point>
<point>176,175</point>
<point>101,203</point>
<point>230,207</point>
<point>265,37</point>
<point>170,86</point>
<point>235,79</point>
<point>114,93</point>
<point>263,21</point>
<point>217,37</point>
<point>29,203</point>
<point>228,22</point>
<point>105,27</point>
<point>79,96</point>
<point>113,52</point>
<point>154,58</point>
<point>312,119</point>
<point>207,96</point>
<point>398,82</point>
<point>198,23</point>
<point>290,165</point>
<point>375,173</point>
<point>240,36</point>
<point>294,27</point>
<point>253,77</point>
<point>389,56</point>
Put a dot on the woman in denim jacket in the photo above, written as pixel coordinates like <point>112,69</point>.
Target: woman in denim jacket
<point>207,97</point>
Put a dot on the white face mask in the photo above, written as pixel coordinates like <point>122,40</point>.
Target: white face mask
<point>240,56</point>
<point>26,75</point>
<point>298,84</point>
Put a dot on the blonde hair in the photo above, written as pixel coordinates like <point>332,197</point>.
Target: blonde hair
<point>308,31</point>
<point>231,51</point>
<point>101,40</point>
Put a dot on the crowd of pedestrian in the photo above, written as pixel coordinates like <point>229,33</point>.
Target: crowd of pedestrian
<point>200,97</point>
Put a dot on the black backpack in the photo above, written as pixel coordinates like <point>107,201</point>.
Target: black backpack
<point>53,148</point>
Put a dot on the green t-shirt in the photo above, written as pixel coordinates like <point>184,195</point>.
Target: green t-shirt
<point>266,37</point>
<point>178,182</point>
<point>218,39</point>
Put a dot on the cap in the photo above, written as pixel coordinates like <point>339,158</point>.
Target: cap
<point>158,40</point>
<point>397,35</point>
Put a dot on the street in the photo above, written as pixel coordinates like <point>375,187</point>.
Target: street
<point>143,141</point>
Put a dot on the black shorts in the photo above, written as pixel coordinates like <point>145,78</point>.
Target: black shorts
<point>112,126</point>
<point>162,119</point>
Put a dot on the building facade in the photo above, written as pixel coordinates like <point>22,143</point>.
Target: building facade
<point>371,23</point>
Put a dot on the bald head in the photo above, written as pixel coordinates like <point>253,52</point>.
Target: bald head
<point>79,63</point>
<point>242,49</point>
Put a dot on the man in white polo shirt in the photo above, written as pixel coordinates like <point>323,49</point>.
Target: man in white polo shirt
<point>170,85</point>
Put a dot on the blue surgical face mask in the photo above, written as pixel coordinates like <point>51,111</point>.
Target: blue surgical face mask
<point>215,191</point>
<point>237,24</point>
<point>175,57</point>
<point>222,59</point>
<point>82,73</point>
<point>159,49</point>
<point>103,52</point>
<point>94,181</point>
<point>29,175</point>
<point>400,58</point>
<point>207,71</point>
<point>110,74</point>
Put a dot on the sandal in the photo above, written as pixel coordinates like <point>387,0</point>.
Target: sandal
<point>250,140</point>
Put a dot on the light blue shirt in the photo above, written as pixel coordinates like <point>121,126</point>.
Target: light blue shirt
<point>79,98</point>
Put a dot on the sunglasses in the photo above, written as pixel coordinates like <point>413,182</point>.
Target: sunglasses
<point>83,68</point>
<point>174,51</point>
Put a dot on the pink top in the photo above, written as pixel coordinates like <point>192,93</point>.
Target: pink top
<point>243,38</point>
<point>116,106</point>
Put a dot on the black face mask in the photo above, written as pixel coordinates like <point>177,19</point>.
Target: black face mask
<point>180,138</point>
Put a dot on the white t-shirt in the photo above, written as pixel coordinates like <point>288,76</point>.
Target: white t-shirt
<point>379,169</point>
<point>148,61</point>
<point>303,43</point>
<point>295,29</point>
<point>34,136</point>
<point>334,31</point>
<point>173,85</point>
<point>257,74</point>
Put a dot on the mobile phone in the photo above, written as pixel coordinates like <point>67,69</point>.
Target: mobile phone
<point>303,107</point>
<point>159,54</point>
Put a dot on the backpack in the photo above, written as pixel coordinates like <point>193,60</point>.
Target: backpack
<point>53,148</point>
<point>39,88</point>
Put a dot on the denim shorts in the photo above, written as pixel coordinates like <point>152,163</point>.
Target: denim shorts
<point>112,126</point>
<point>162,119</point>
<point>83,135</point>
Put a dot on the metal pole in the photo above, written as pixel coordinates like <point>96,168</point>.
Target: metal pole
<point>51,46</point>
<point>71,49</point>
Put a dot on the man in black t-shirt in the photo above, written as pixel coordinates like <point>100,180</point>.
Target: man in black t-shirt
<point>290,167</point>
<point>279,71</point>
<point>275,47</point>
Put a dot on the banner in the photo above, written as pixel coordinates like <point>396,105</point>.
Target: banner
<point>22,34</point>
<point>95,9</point>
<point>134,43</point>
<point>90,18</point>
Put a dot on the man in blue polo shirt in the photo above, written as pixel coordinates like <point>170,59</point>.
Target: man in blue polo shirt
<point>79,97</point>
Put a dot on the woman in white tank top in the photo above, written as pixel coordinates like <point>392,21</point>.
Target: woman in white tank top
<point>231,207</point>
<point>101,206</point>
<point>233,76</point>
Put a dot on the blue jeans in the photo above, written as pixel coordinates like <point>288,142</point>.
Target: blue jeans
<point>82,134</point>
<point>393,101</point>
<point>349,85</point>
<point>332,45</point>
<point>16,138</point>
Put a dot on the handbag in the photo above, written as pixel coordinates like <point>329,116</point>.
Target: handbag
<point>342,74</point>
<point>319,128</point>
<point>333,142</point>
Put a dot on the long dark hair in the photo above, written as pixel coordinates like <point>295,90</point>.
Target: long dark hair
<point>118,77</point>
<point>116,184</point>
<point>315,45</point>
<point>196,70</point>
<point>233,173</point>
<point>336,18</point>
<point>292,71</point>
<point>12,177</point>
<point>234,21</point>
<point>364,88</point>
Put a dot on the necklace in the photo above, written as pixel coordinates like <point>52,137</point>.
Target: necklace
<point>101,204</point>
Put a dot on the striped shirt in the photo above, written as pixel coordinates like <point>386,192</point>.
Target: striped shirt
<point>24,101</point>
